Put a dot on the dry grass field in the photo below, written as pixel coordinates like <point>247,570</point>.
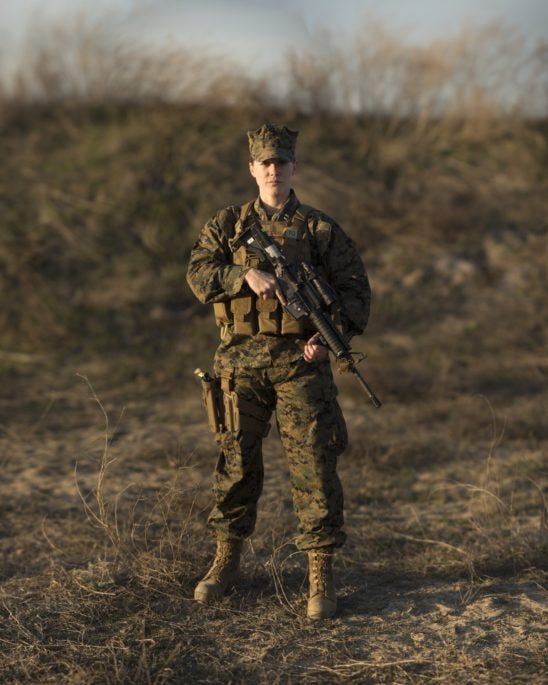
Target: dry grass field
<point>105,453</point>
<point>104,499</point>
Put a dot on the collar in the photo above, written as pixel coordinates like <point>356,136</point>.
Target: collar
<point>285,213</point>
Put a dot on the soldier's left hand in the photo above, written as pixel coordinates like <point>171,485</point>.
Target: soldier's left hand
<point>315,351</point>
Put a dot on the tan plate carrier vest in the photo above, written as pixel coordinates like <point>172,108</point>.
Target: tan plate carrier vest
<point>249,314</point>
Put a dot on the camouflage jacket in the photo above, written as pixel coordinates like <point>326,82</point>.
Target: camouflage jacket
<point>214,278</point>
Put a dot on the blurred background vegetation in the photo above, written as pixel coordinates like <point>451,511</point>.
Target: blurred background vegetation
<point>432,158</point>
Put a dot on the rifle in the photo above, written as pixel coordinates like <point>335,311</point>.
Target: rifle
<point>307,295</point>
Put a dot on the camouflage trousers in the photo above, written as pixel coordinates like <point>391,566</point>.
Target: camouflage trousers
<point>313,435</point>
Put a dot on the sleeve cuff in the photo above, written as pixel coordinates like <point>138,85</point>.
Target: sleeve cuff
<point>234,279</point>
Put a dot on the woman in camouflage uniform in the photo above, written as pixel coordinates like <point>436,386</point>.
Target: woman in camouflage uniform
<point>267,361</point>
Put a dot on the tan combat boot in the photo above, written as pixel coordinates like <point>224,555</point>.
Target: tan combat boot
<point>222,573</point>
<point>322,600</point>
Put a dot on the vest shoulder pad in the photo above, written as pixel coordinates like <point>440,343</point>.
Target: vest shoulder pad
<point>315,221</point>
<point>303,212</point>
<point>244,212</point>
<point>226,219</point>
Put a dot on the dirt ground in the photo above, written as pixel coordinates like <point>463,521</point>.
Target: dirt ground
<point>104,498</point>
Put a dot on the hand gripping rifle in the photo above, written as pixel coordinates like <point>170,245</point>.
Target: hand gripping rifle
<point>307,295</point>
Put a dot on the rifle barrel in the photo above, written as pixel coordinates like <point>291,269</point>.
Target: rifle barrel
<point>374,399</point>
<point>306,303</point>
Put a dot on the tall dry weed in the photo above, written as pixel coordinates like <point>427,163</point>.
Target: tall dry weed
<point>81,61</point>
<point>477,73</point>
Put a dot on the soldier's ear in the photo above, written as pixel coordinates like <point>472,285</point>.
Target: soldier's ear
<point>251,168</point>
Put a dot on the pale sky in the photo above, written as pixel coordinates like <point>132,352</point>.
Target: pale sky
<point>257,32</point>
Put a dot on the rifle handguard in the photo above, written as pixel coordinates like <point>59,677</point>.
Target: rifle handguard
<point>308,298</point>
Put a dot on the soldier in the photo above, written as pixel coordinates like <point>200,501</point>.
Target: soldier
<point>267,361</point>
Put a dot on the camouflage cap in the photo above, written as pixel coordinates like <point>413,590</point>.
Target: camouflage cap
<point>272,142</point>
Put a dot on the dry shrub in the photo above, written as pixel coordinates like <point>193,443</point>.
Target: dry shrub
<point>82,61</point>
<point>475,74</point>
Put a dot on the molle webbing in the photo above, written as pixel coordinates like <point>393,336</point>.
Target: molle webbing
<point>249,314</point>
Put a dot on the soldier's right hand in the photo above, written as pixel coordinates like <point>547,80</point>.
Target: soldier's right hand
<point>264,285</point>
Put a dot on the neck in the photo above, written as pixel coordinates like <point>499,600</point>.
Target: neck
<point>272,203</point>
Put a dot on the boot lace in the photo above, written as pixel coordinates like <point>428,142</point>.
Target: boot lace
<point>320,571</point>
<point>225,561</point>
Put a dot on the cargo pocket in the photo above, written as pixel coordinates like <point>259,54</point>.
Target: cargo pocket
<point>243,415</point>
<point>336,435</point>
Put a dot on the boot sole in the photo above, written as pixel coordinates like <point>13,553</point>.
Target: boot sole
<point>207,595</point>
<point>320,613</point>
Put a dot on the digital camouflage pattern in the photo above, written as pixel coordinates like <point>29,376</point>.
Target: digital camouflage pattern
<point>272,142</point>
<point>313,434</point>
<point>213,278</point>
<point>269,370</point>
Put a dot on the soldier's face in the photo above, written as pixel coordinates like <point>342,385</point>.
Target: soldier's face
<point>273,176</point>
